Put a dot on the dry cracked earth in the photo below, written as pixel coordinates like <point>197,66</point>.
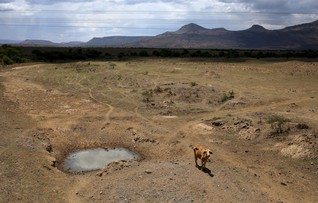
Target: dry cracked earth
<point>259,118</point>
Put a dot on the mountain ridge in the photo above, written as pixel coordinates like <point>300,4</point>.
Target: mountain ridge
<point>301,36</point>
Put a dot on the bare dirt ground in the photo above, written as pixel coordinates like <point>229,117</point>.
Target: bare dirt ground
<point>259,119</point>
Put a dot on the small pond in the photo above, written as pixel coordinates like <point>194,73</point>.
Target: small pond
<point>93,159</point>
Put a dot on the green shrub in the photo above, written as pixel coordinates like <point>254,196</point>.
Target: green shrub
<point>143,53</point>
<point>227,96</point>
<point>147,95</point>
<point>6,60</point>
<point>278,123</point>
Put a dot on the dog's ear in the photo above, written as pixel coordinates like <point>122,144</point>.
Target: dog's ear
<point>195,148</point>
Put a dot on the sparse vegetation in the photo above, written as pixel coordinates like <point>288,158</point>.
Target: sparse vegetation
<point>227,96</point>
<point>48,110</point>
<point>147,96</point>
<point>278,123</point>
<point>6,60</point>
<point>158,89</point>
<point>10,55</point>
<point>112,65</point>
<point>193,84</point>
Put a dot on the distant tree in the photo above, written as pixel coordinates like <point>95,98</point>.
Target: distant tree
<point>143,53</point>
<point>311,54</point>
<point>165,53</point>
<point>133,54</point>
<point>6,60</point>
<point>92,54</point>
<point>233,54</point>
<point>10,55</point>
<point>259,55</point>
<point>206,54</point>
<point>108,55</point>
<point>185,53</point>
<point>176,54</point>
<point>196,53</point>
<point>222,54</point>
<point>121,55</point>
<point>156,53</point>
<point>248,54</point>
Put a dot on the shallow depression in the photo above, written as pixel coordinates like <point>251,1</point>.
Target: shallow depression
<point>93,159</point>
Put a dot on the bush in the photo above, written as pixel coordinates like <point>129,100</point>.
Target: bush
<point>278,123</point>
<point>6,60</point>
<point>10,55</point>
<point>147,96</point>
<point>228,96</point>
<point>193,84</point>
<point>143,53</point>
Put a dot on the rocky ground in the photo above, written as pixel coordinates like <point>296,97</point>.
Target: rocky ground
<point>258,118</point>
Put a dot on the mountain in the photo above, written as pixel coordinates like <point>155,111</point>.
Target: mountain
<point>29,42</point>
<point>297,37</point>
<point>38,43</point>
<point>114,41</point>
<point>72,44</point>
<point>257,28</point>
<point>304,36</point>
<point>191,28</point>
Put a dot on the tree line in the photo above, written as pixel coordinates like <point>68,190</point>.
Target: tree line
<point>12,54</point>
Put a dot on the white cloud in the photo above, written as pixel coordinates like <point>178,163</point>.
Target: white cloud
<point>66,20</point>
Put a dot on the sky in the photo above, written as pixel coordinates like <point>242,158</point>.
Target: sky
<point>81,20</point>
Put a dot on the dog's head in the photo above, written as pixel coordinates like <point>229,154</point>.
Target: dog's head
<point>207,153</point>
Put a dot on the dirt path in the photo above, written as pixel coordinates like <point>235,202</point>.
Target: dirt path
<point>111,108</point>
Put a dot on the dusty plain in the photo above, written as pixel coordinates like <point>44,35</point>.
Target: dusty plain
<point>159,108</point>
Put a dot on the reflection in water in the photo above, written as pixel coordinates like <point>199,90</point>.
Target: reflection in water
<point>93,159</point>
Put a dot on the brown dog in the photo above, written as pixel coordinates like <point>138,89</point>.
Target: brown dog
<point>201,153</point>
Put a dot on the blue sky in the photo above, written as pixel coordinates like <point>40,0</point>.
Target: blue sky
<point>81,20</point>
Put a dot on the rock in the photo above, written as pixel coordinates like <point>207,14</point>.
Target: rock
<point>49,148</point>
<point>302,126</point>
<point>217,123</point>
<point>54,162</point>
<point>100,173</point>
<point>249,132</point>
<point>148,171</point>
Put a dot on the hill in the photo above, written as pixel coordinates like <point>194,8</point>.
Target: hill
<point>113,41</point>
<point>297,37</point>
<point>304,36</point>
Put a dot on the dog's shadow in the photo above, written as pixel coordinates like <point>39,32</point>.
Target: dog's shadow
<point>206,170</point>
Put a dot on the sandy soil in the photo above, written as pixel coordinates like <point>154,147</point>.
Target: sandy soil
<point>159,109</point>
